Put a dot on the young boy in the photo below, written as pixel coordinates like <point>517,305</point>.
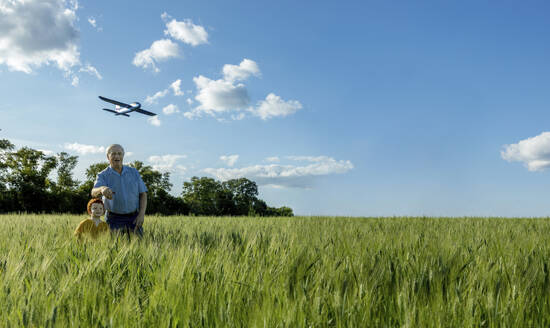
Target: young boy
<point>93,226</point>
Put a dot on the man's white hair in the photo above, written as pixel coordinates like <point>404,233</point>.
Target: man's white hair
<point>113,146</point>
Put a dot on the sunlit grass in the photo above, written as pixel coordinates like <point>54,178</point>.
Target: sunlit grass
<point>277,272</point>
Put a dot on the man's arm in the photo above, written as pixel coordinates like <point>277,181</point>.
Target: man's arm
<point>142,207</point>
<point>100,188</point>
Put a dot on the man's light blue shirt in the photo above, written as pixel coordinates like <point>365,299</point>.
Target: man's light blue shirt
<point>126,186</point>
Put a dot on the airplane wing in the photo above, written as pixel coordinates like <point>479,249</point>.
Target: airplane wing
<point>115,102</point>
<point>116,113</point>
<point>143,111</point>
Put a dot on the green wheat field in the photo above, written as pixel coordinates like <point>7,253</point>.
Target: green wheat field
<point>277,272</point>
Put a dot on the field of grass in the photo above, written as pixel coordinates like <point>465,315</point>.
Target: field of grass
<point>277,272</point>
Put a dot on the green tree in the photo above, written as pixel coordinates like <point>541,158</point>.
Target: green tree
<point>67,163</point>
<point>93,170</point>
<point>243,192</point>
<point>27,177</point>
<point>282,211</point>
<point>5,148</point>
<point>68,197</point>
<point>91,173</point>
<point>259,208</point>
<point>153,179</point>
<point>158,187</point>
<point>206,196</point>
<point>166,204</point>
<point>202,195</point>
<point>7,198</point>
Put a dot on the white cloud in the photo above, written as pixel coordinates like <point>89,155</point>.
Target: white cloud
<point>38,32</point>
<point>285,175</point>
<point>273,159</point>
<point>84,149</point>
<point>309,158</point>
<point>241,72</point>
<point>190,115</point>
<point>154,121</point>
<point>230,160</point>
<point>153,99</point>
<point>165,17</point>
<point>217,96</point>
<point>533,152</point>
<point>91,70</point>
<point>189,101</point>
<point>185,31</point>
<point>176,87</point>
<point>238,117</point>
<point>92,21</point>
<point>167,163</point>
<point>160,50</point>
<point>230,95</point>
<point>224,95</point>
<point>75,81</point>
<point>181,169</point>
<point>170,109</point>
<point>274,106</point>
<point>47,152</point>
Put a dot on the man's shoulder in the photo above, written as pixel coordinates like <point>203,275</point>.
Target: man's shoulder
<point>105,171</point>
<point>131,170</point>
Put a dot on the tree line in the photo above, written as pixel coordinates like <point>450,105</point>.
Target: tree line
<point>34,182</point>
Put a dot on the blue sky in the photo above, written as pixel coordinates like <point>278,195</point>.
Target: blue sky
<point>335,108</point>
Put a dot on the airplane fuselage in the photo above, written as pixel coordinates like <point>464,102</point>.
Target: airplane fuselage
<point>123,110</point>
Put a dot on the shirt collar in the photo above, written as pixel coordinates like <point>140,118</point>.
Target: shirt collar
<point>124,170</point>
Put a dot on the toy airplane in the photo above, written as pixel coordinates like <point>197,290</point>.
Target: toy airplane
<point>123,109</point>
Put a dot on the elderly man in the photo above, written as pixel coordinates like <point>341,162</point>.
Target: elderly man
<point>124,193</point>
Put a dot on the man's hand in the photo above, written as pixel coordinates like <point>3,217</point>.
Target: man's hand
<point>107,192</point>
<point>139,220</point>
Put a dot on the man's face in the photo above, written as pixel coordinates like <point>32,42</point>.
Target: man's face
<point>97,209</point>
<point>115,157</point>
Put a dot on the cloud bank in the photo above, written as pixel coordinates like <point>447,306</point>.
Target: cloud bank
<point>167,163</point>
<point>230,95</point>
<point>84,149</point>
<point>38,32</point>
<point>230,160</point>
<point>290,175</point>
<point>533,152</point>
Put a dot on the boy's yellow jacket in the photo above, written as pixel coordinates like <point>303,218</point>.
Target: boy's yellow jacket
<point>88,226</point>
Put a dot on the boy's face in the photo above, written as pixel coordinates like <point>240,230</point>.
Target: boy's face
<point>97,209</point>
